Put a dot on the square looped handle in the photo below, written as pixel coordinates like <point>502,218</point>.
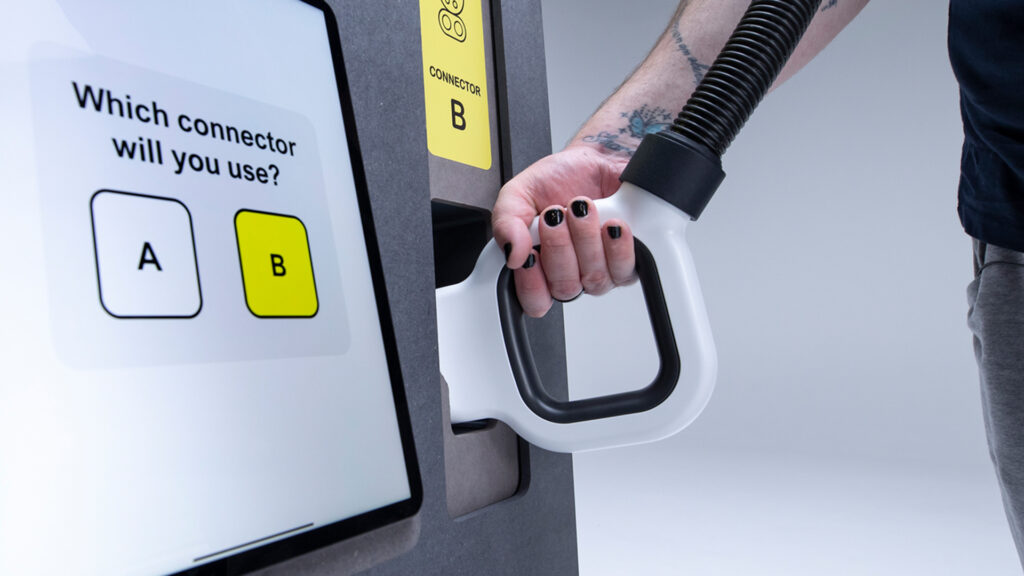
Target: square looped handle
<point>524,369</point>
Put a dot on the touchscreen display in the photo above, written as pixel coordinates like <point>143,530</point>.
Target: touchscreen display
<point>192,360</point>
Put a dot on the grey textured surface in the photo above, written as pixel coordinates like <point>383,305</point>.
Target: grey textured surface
<point>482,466</point>
<point>533,532</point>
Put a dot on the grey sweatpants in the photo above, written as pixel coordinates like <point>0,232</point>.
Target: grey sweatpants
<point>996,317</point>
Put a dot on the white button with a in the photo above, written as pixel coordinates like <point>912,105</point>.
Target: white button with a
<point>145,256</point>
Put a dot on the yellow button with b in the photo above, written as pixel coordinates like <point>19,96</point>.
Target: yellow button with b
<point>277,271</point>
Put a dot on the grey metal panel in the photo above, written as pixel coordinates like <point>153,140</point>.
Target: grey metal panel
<point>534,532</point>
<point>522,84</point>
<point>481,467</point>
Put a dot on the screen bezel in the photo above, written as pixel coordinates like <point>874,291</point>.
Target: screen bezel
<point>292,546</point>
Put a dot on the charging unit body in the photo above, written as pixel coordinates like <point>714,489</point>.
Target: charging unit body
<point>492,503</point>
<point>472,75</point>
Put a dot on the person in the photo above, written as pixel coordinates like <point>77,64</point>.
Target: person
<point>578,254</point>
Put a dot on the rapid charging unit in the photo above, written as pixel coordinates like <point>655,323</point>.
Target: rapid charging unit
<point>249,409</point>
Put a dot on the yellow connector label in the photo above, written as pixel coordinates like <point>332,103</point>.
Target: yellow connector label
<point>277,271</point>
<point>455,81</point>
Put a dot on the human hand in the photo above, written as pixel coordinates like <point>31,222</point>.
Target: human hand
<point>577,252</point>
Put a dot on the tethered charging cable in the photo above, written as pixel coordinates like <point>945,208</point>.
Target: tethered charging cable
<point>682,163</point>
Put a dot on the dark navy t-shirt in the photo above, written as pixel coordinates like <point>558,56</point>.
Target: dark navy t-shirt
<point>986,48</point>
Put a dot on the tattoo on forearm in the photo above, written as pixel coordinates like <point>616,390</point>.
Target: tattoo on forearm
<point>828,4</point>
<point>696,66</point>
<point>639,123</point>
<point>609,141</point>
<point>645,120</point>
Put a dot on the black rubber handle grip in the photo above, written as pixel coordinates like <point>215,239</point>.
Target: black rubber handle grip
<point>524,369</point>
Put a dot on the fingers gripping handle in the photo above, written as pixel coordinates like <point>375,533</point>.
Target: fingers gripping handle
<point>499,381</point>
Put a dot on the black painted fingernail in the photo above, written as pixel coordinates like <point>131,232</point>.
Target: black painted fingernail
<point>553,217</point>
<point>614,232</point>
<point>508,250</point>
<point>580,208</point>
<point>530,261</point>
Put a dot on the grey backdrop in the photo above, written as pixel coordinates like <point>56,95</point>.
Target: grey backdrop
<point>845,434</point>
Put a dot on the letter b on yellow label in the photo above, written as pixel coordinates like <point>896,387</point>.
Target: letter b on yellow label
<point>455,81</point>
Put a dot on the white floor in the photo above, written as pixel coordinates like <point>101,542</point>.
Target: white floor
<point>745,513</point>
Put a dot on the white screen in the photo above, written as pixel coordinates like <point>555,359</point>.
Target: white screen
<point>190,357</point>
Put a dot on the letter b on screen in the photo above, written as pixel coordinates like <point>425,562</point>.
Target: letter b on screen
<point>277,271</point>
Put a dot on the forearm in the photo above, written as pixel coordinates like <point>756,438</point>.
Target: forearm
<point>657,90</point>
